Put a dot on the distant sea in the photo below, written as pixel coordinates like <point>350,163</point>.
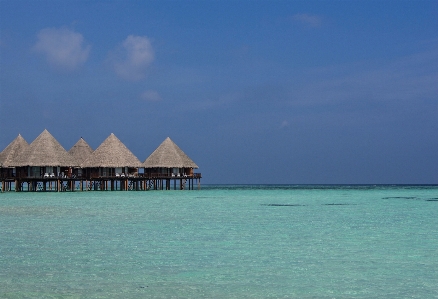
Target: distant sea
<point>252,241</point>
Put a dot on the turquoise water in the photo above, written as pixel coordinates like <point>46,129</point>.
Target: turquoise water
<point>222,242</point>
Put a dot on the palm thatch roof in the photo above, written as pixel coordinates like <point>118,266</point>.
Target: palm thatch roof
<point>80,151</point>
<point>45,150</point>
<point>111,153</point>
<point>169,155</point>
<point>8,157</point>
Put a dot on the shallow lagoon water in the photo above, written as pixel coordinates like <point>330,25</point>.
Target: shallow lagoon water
<point>222,242</point>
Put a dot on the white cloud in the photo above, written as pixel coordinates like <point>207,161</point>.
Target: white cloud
<point>132,57</point>
<point>309,20</point>
<point>284,124</point>
<point>63,48</point>
<point>151,96</point>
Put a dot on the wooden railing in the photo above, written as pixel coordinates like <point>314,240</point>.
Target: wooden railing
<point>171,176</point>
<point>84,177</point>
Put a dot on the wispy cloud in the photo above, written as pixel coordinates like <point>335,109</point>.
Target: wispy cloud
<point>223,102</point>
<point>131,59</point>
<point>150,96</point>
<point>408,79</point>
<point>63,48</point>
<point>308,20</point>
<point>284,124</point>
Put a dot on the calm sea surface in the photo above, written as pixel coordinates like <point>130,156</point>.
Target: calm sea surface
<point>222,242</point>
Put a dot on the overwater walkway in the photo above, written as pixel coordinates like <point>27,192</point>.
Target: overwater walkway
<point>113,183</point>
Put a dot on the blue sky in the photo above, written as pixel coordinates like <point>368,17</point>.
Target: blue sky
<point>290,92</point>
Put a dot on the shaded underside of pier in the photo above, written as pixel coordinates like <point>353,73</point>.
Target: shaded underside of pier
<point>54,184</point>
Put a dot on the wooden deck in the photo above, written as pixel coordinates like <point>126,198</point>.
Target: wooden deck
<point>142,182</point>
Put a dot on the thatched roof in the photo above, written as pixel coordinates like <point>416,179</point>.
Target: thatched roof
<point>111,153</point>
<point>45,150</point>
<point>80,151</point>
<point>168,155</point>
<point>8,157</point>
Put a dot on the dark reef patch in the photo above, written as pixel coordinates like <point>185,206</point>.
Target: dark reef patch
<point>282,205</point>
<point>400,197</point>
<point>338,204</point>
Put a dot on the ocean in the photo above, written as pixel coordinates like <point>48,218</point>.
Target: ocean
<point>251,241</point>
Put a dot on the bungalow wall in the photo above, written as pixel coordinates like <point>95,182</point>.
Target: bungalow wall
<point>168,172</point>
<point>40,171</point>
<point>8,172</point>
<point>108,172</point>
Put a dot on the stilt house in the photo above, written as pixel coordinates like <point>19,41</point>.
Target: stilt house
<point>168,160</point>
<point>111,159</point>
<point>44,157</point>
<point>9,156</point>
<point>80,152</point>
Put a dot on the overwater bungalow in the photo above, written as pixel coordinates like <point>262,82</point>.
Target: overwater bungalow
<point>45,156</point>
<point>45,165</point>
<point>44,160</point>
<point>112,166</point>
<point>80,152</point>
<point>111,159</point>
<point>170,162</point>
<point>8,159</point>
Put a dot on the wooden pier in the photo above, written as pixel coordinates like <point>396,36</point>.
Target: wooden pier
<point>113,183</point>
